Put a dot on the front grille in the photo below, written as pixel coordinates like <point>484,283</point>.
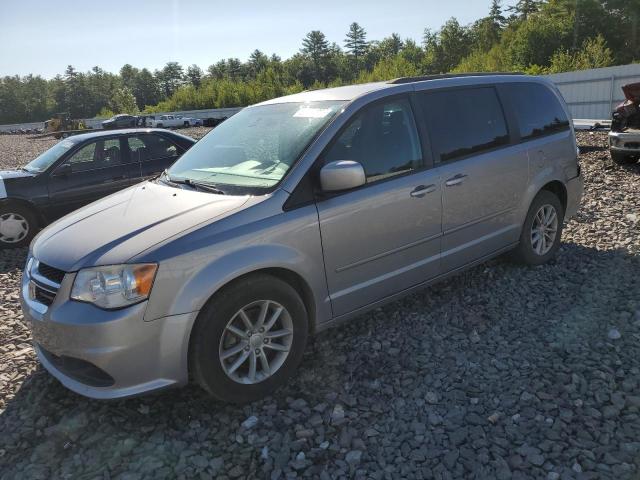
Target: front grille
<point>51,273</point>
<point>42,295</point>
<point>634,145</point>
<point>45,282</point>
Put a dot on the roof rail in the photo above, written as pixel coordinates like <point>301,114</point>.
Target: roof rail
<point>422,78</point>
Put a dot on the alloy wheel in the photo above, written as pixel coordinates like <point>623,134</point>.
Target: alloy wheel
<point>256,342</point>
<point>544,229</point>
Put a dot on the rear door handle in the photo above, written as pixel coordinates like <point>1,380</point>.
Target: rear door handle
<point>456,180</point>
<point>421,190</point>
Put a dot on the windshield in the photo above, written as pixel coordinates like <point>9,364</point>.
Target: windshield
<point>256,147</point>
<point>48,158</point>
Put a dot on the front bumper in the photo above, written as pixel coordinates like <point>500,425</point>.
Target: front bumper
<point>625,142</point>
<point>122,355</point>
<point>575,190</point>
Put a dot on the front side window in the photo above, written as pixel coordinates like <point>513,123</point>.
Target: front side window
<point>150,147</point>
<point>382,138</point>
<point>255,148</point>
<point>100,154</point>
<point>538,111</point>
<point>464,122</point>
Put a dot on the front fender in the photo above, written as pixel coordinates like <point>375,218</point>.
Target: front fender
<point>185,282</point>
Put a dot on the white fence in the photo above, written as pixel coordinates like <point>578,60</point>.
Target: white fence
<point>593,94</point>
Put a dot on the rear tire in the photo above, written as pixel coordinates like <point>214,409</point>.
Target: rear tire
<point>623,158</point>
<point>18,225</point>
<point>542,230</point>
<point>249,339</point>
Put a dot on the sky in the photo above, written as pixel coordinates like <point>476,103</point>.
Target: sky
<point>43,37</point>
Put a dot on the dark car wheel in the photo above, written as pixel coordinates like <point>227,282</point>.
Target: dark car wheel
<point>17,226</point>
<point>623,158</point>
<point>249,339</point>
<point>542,230</point>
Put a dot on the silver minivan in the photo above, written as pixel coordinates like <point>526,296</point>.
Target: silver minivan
<point>294,215</point>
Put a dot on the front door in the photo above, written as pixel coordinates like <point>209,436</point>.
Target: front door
<point>483,175</point>
<point>95,170</point>
<point>383,237</point>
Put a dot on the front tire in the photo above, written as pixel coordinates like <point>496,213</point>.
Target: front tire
<point>249,339</point>
<point>542,231</point>
<point>18,225</point>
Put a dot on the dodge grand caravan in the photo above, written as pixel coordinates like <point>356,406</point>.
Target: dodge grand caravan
<point>293,215</point>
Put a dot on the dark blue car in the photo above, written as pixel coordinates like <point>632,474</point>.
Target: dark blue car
<point>78,171</point>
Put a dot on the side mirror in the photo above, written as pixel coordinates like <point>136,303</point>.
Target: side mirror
<point>341,175</point>
<point>63,170</point>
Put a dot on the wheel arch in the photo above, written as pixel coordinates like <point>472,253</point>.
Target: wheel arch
<point>290,277</point>
<point>558,189</point>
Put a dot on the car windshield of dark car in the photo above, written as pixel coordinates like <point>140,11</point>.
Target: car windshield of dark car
<point>48,158</point>
<point>256,147</point>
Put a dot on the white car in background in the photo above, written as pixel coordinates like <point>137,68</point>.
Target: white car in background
<point>193,122</point>
<point>170,121</point>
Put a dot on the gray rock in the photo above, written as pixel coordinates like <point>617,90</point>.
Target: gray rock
<point>614,334</point>
<point>250,422</point>
<point>353,457</point>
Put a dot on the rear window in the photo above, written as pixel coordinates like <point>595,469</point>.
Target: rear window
<point>537,109</point>
<point>464,122</point>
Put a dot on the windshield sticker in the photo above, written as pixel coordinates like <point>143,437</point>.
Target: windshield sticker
<point>310,112</point>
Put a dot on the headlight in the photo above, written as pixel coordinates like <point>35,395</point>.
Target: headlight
<point>615,141</point>
<point>114,286</point>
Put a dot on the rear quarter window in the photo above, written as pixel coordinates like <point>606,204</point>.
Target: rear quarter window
<point>537,109</point>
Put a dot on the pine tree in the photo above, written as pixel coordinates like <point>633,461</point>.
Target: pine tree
<point>356,41</point>
<point>524,8</point>
<point>194,74</point>
<point>315,45</point>
<point>495,13</point>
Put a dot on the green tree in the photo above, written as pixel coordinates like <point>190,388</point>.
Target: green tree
<point>258,62</point>
<point>316,48</point>
<point>123,101</point>
<point>194,74</point>
<point>446,48</point>
<point>356,41</point>
<point>593,54</point>
<point>170,77</point>
<point>524,8</point>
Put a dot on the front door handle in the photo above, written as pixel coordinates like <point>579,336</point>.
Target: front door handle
<point>456,180</point>
<point>421,190</point>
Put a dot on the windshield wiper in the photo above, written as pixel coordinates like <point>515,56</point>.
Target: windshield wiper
<point>194,184</point>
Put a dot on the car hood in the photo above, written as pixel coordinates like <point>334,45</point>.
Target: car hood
<point>9,174</point>
<point>116,228</point>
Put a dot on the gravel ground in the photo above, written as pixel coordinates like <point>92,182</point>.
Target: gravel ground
<point>501,372</point>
